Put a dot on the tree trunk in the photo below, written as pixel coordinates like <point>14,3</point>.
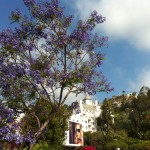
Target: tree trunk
<point>40,130</point>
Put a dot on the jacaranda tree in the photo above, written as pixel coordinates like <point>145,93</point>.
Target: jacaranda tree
<point>54,133</point>
<point>9,128</point>
<point>43,57</point>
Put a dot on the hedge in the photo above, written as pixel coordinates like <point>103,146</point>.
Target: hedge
<point>116,144</point>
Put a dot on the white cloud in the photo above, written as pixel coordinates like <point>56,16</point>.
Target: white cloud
<point>128,19</point>
<point>142,79</point>
<point>72,98</point>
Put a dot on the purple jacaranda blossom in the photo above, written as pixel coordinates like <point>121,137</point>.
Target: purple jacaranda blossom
<point>16,15</point>
<point>44,55</point>
<point>29,3</point>
<point>10,129</point>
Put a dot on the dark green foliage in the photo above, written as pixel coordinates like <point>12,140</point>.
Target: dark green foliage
<point>44,146</point>
<point>54,133</point>
<point>120,134</point>
<point>116,144</point>
<point>136,144</point>
<point>143,145</point>
<point>131,141</point>
<point>131,114</point>
<point>97,139</point>
<point>105,120</point>
<point>121,121</point>
<point>111,142</point>
<point>131,127</point>
<point>140,116</point>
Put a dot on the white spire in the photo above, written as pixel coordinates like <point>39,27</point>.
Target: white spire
<point>87,97</point>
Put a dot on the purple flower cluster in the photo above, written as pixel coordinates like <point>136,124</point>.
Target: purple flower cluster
<point>97,18</point>
<point>9,129</point>
<point>9,40</point>
<point>45,11</point>
<point>29,3</point>
<point>72,78</point>
<point>16,15</point>
<point>48,22</point>
<point>44,54</point>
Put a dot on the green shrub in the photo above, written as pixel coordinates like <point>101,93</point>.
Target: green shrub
<point>144,135</point>
<point>97,139</point>
<point>131,141</point>
<point>116,144</point>
<point>122,134</point>
<point>142,145</point>
<point>45,146</point>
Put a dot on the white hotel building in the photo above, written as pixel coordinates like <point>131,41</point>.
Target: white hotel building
<point>85,112</point>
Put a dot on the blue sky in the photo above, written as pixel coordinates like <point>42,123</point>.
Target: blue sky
<point>127,60</point>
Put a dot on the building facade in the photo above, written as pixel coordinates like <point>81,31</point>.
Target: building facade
<point>85,112</point>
